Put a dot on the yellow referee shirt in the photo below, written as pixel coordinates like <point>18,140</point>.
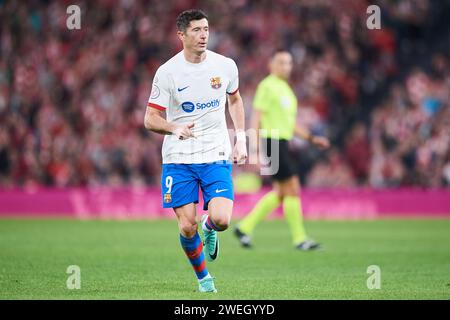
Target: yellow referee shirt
<point>278,105</point>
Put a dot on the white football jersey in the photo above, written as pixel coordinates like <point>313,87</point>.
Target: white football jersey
<point>195,92</point>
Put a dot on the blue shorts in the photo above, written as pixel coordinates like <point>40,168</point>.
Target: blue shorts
<point>180,182</point>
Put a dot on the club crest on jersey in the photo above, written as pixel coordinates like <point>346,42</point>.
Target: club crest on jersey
<point>215,83</point>
<point>167,198</point>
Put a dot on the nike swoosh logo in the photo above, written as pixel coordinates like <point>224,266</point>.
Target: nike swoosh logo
<point>221,190</point>
<point>214,255</point>
<point>181,89</point>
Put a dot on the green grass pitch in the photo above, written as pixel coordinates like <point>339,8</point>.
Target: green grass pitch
<point>143,260</point>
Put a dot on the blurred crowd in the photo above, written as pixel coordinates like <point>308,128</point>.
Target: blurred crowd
<point>72,102</point>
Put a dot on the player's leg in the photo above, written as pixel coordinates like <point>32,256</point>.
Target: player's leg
<point>292,209</point>
<point>219,213</point>
<point>192,245</point>
<point>217,220</point>
<point>180,192</point>
<point>218,196</point>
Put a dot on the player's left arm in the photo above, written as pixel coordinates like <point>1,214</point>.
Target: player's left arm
<point>237,113</point>
<point>304,133</point>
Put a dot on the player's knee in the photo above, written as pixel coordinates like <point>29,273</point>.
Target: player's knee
<point>222,222</point>
<point>187,228</point>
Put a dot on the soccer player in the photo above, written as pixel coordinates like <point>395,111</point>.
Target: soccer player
<point>192,88</point>
<point>275,108</point>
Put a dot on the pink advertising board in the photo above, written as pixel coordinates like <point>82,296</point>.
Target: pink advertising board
<point>137,203</point>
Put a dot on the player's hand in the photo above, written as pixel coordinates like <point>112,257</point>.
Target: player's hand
<point>240,152</point>
<point>321,142</point>
<point>184,132</point>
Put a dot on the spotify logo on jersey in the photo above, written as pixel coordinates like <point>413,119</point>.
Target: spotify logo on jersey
<point>188,106</point>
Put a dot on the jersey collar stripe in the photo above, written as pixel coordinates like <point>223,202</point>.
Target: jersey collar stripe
<point>234,92</point>
<point>156,106</point>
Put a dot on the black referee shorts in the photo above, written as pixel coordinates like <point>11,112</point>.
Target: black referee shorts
<point>286,168</point>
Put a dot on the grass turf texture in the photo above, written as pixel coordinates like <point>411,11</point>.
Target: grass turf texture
<point>143,260</point>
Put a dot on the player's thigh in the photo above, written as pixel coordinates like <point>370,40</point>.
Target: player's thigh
<point>216,183</point>
<point>220,210</point>
<point>186,216</point>
<point>179,185</point>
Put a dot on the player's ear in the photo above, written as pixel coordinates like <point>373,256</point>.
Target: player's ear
<point>180,35</point>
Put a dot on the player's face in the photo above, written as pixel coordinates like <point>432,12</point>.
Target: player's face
<point>281,64</point>
<point>195,38</point>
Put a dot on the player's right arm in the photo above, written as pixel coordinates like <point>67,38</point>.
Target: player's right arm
<point>157,103</point>
<point>260,105</point>
<point>155,122</point>
<point>255,124</point>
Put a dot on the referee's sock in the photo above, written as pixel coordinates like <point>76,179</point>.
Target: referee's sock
<point>266,205</point>
<point>193,248</point>
<point>293,212</point>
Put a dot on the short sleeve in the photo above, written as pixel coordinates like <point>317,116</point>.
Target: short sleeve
<point>261,99</point>
<point>233,85</point>
<point>160,95</point>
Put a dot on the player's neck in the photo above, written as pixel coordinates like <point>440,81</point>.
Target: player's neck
<point>194,57</point>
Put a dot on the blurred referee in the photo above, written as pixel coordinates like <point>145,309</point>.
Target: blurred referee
<point>275,108</point>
